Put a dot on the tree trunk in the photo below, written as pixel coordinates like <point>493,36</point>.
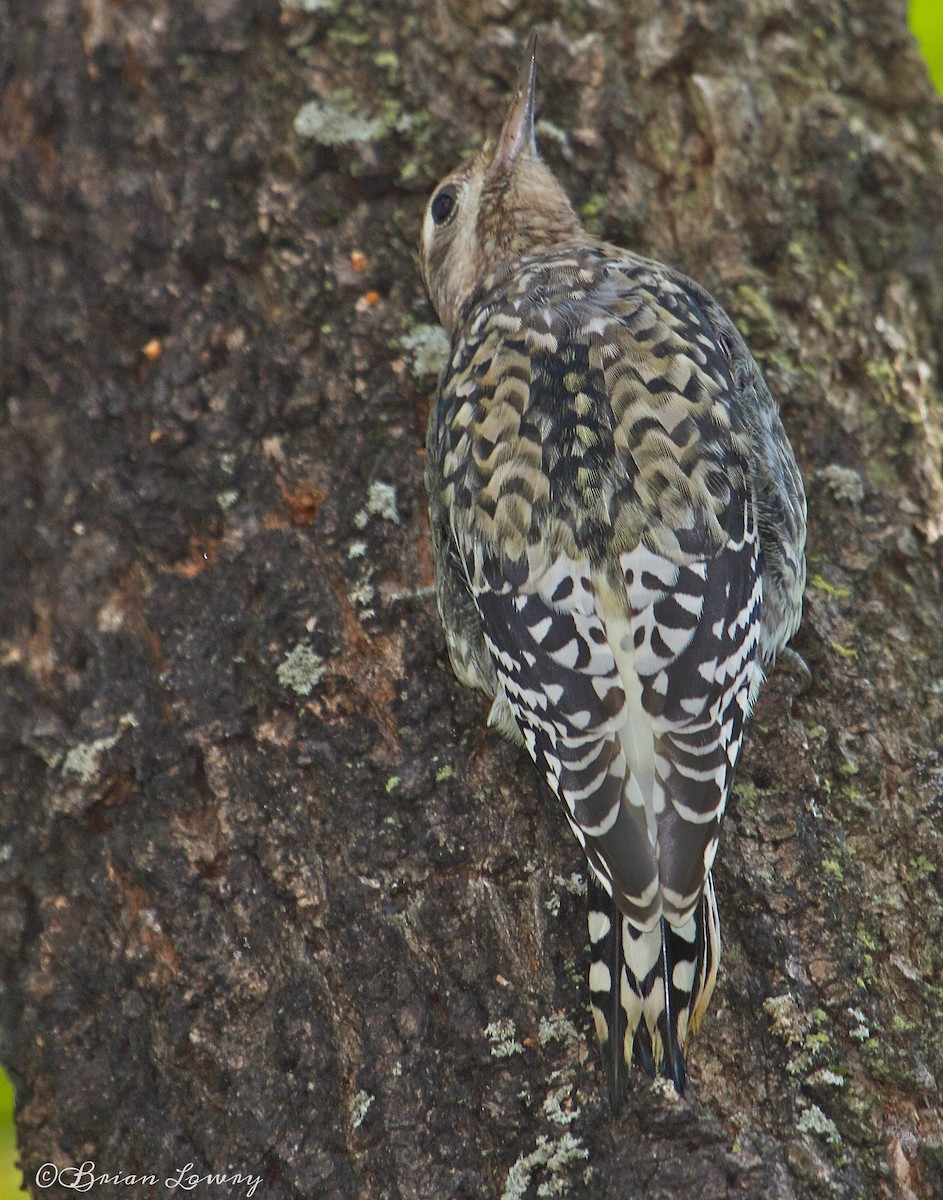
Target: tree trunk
<point>274,903</point>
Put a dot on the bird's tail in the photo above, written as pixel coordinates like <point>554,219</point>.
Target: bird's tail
<point>649,990</point>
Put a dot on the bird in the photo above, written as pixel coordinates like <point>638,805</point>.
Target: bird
<point>618,526</point>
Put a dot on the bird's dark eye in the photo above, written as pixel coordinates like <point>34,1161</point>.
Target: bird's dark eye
<point>443,205</point>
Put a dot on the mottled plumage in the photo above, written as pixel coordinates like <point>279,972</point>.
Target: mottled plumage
<point>619,529</point>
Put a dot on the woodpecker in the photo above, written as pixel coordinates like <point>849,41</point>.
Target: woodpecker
<point>618,526</point>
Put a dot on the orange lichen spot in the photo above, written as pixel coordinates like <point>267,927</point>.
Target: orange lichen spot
<point>203,552</point>
<point>304,502</point>
<point>152,350</point>
<point>358,260</point>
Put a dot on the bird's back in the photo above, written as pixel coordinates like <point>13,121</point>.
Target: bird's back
<point>588,388</point>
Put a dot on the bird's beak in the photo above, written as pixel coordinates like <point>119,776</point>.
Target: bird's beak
<point>517,136</point>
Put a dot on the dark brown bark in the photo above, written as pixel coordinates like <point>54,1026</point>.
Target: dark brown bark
<point>295,913</point>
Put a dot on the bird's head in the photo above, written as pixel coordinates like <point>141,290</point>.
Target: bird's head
<point>501,205</point>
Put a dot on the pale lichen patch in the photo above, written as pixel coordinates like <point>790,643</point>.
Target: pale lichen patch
<point>550,1156</point>
<point>82,760</point>
<point>301,669</point>
<point>330,124</point>
<point>502,1034</point>
<point>427,349</point>
<point>359,1108</point>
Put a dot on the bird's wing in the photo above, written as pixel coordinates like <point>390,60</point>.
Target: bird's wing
<point>558,671</point>
<point>695,630</point>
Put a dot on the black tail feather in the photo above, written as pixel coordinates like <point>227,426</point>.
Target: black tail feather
<point>682,968</point>
<point>608,1013</point>
<point>643,1051</point>
<point>672,1062</point>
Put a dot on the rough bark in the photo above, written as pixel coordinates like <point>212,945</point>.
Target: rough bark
<point>293,912</point>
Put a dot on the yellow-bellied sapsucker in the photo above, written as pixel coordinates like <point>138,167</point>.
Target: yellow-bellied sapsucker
<point>619,530</point>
